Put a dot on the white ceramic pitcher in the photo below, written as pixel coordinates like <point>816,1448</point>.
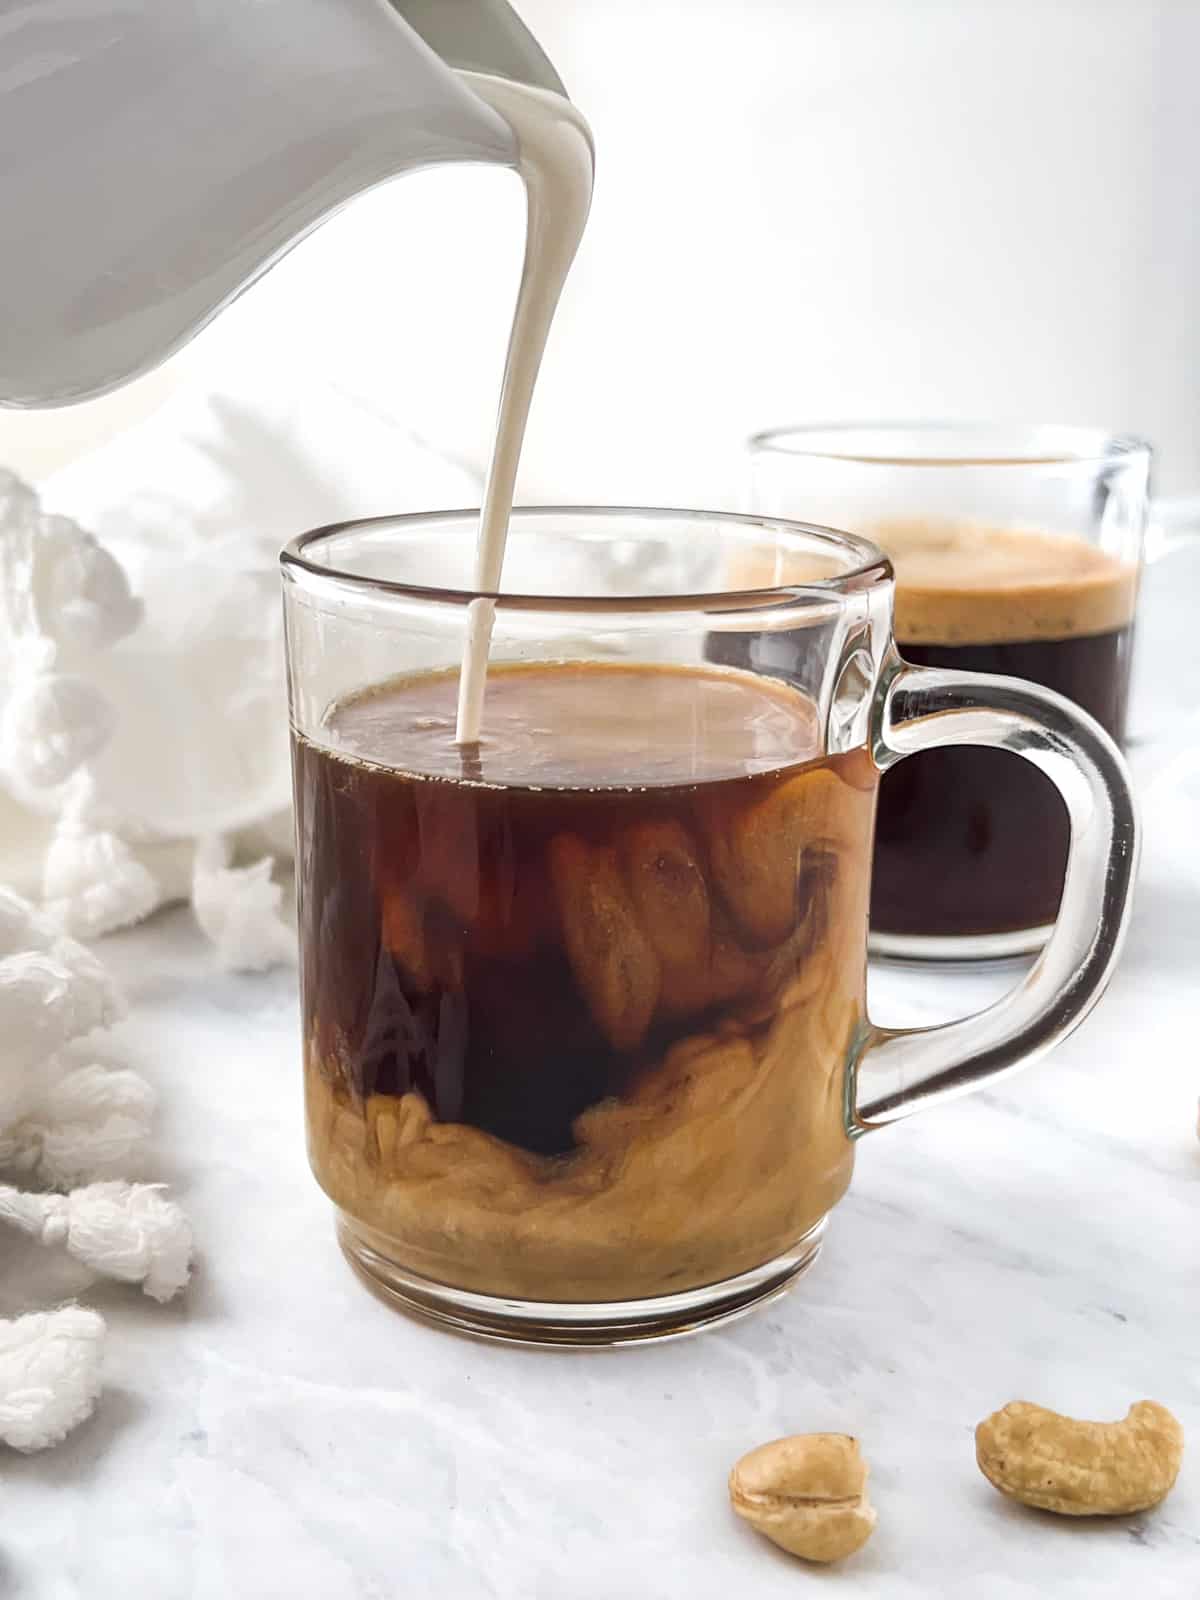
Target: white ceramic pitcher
<point>156,159</point>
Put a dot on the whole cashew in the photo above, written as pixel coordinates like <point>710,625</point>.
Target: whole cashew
<point>1081,1469</point>
<point>807,1494</point>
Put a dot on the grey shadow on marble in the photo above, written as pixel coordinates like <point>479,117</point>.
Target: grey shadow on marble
<point>12,1585</point>
<point>125,1303</point>
<point>1146,1529</point>
<point>83,1453</point>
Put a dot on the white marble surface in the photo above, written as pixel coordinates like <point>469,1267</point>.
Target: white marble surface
<point>282,1434</point>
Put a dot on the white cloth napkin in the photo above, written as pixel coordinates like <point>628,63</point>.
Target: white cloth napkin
<point>68,1125</point>
<point>143,750</point>
<point>163,726</point>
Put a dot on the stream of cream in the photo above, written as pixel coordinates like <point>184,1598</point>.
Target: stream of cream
<point>555,164</point>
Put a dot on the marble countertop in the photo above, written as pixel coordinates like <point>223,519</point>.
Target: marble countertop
<point>283,1434</point>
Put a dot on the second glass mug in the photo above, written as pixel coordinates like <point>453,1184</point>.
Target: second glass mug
<point>586,1049</point>
<point>1018,550</point>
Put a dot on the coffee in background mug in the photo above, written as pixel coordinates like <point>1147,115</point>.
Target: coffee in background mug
<point>1017,551</point>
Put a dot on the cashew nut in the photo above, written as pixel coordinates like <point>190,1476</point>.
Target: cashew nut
<point>807,1494</point>
<point>1081,1469</point>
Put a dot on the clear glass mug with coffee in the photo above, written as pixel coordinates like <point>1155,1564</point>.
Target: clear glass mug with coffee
<point>586,1049</point>
<point>1017,550</point>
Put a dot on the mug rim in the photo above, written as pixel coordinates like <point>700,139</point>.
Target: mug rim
<point>1064,445</point>
<point>872,565</point>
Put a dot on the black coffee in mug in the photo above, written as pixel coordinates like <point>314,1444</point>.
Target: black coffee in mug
<point>974,841</point>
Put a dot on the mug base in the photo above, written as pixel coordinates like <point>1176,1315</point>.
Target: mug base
<point>575,1325</point>
<point>958,947</point>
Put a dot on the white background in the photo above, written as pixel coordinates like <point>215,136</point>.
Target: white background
<point>804,209</point>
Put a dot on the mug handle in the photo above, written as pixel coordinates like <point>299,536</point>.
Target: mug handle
<point>896,1071</point>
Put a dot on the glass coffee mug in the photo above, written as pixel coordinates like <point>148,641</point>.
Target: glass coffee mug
<point>586,1050</point>
<point>1016,550</point>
